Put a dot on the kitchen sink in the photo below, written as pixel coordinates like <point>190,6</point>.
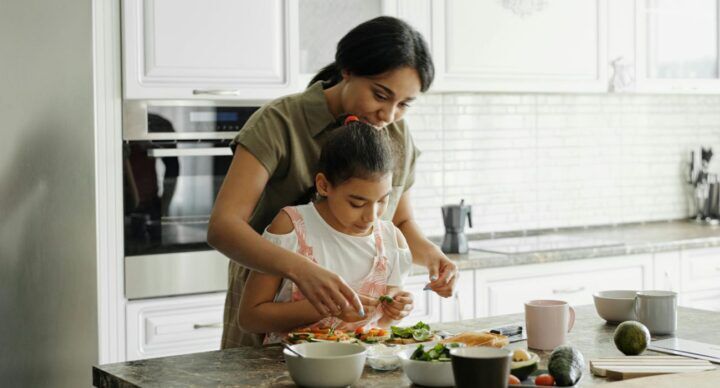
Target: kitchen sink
<point>539,243</point>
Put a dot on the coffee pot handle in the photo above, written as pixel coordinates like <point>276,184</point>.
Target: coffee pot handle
<point>469,214</point>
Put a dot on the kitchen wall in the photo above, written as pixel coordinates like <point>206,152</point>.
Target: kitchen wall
<point>529,161</point>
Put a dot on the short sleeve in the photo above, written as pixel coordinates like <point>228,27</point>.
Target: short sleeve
<point>288,241</point>
<point>400,261</point>
<point>265,137</point>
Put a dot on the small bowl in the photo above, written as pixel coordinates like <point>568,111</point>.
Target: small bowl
<point>381,357</point>
<point>326,364</point>
<point>615,306</point>
<point>427,373</point>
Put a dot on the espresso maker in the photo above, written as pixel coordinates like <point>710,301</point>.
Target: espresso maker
<point>454,216</point>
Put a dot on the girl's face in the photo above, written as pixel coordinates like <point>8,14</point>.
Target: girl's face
<point>382,99</point>
<point>352,206</point>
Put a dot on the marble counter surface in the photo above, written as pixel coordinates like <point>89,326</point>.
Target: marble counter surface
<point>251,367</point>
<point>629,239</point>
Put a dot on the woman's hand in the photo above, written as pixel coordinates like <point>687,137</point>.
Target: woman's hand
<point>325,290</point>
<point>443,273</point>
<point>400,307</point>
<point>369,305</point>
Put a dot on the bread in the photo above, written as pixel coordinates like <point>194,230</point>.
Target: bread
<point>472,338</point>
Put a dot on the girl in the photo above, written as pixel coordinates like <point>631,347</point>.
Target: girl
<point>342,232</point>
<point>380,67</point>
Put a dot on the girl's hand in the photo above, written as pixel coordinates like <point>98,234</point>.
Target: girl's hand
<point>443,273</point>
<point>400,307</point>
<point>326,290</point>
<point>369,305</point>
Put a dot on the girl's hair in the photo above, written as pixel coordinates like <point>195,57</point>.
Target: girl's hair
<point>356,150</point>
<point>377,46</point>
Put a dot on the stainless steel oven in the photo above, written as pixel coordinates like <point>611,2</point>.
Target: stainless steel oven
<point>175,158</point>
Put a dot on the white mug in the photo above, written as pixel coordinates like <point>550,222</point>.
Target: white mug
<point>657,310</point>
<point>547,323</point>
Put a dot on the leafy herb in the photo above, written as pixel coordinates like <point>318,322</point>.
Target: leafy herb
<point>421,331</point>
<point>439,352</point>
<point>386,298</point>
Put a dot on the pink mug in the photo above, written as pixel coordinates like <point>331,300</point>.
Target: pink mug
<point>547,323</point>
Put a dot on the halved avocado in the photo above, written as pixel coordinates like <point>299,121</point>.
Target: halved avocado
<point>523,369</point>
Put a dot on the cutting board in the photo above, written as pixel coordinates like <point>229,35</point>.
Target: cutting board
<point>628,367</point>
<point>693,380</point>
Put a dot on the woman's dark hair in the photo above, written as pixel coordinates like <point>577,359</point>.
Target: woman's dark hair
<point>356,150</point>
<point>377,46</point>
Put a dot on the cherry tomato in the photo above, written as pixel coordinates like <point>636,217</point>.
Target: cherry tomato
<point>545,379</point>
<point>512,380</point>
<point>359,331</point>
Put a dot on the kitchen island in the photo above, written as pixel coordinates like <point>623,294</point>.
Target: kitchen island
<point>264,367</point>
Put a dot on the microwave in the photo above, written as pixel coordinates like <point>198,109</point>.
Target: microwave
<point>175,158</point>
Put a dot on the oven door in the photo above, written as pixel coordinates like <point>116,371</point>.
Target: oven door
<point>169,192</point>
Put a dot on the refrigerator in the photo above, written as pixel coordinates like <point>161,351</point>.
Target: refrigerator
<point>48,265</point>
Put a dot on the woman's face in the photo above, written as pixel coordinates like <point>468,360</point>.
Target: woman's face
<point>354,205</point>
<point>382,99</point>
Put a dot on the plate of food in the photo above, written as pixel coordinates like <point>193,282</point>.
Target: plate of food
<point>418,333</point>
<point>319,335</point>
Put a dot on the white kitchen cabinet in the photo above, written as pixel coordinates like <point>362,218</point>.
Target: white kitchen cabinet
<point>520,46</point>
<point>199,49</point>
<point>426,303</point>
<point>704,300</point>
<point>505,290</point>
<point>666,271</point>
<point>677,46</point>
<point>461,305</point>
<point>172,326</point>
<point>700,269</point>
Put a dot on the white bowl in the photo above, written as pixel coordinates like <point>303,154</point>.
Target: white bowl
<point>427,373</point>
<point>615,306</point>
<point>326,364</point>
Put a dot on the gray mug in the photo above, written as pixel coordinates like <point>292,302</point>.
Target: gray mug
<point>657,310</point>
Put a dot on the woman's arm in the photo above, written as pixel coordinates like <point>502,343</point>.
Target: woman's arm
<point>442,271</point>
<point>230,233</point>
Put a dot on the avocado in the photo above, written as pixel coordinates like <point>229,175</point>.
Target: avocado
<point>631,338</point>
<point>523,369</point>
<point>565,365</point>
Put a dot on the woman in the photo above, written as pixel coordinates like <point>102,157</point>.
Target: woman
<point>380,67</point>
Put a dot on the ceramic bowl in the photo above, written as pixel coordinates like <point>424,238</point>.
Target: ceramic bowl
<point>615,306</point>
<point>429,374</point>
<point>326,364</point>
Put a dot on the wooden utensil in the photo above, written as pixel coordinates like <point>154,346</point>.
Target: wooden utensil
<point>620,368</point>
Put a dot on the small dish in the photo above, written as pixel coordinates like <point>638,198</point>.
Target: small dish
<point>381,357</point>
<point>615,306</point>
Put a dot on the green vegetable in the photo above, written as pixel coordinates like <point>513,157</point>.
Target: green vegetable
<point>438,353</point>
<point>565,365</point>
<point>523,369</point>
<point>631,338</point>
<point>386,298</point>
<point>421,330</point>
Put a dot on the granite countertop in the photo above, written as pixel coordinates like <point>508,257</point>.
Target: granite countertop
<point>626,239</point>
<point>264,367</point>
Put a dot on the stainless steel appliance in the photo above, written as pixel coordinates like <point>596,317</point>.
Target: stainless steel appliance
<point>176,155</point>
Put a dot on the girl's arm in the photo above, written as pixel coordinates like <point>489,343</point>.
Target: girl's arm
<point>259,313</point>
<point>442,271</point>
<point>230,233</point>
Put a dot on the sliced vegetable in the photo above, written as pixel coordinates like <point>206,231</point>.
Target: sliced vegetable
<point>386,298</point>
<point>439,352</point>
<point>512,380</point>
<point>420,329</point>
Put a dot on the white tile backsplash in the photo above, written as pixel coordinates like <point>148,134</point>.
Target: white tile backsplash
<point>528,161</point>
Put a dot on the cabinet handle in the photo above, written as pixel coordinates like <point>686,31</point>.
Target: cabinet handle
<point>207,325</point>
<point>217,92</point>
<point>569,290</point>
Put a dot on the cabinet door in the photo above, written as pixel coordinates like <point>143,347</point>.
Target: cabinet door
<point>184,49</point>
<point>461,305</point>
<point>666,271</point>
<point>677,46</point>
<point>704,300</point>
<point>505,290</point>
<point>427,303</point>
<point>700,269</point>
<point>520,45</point>
<point>172,326</point>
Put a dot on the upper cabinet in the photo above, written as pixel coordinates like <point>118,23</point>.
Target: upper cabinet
<point>520,45</point>
<point>677,46</point>
<point>185,49</point>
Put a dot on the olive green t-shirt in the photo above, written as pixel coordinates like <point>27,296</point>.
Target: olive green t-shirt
<point>286,136</point>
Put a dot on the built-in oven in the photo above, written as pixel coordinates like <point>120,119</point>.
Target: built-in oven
<point>175,158</point>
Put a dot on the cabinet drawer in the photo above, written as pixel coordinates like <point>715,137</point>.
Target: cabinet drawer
<point>700,269</point>
<point>506,291</point>
<point>172,326</point>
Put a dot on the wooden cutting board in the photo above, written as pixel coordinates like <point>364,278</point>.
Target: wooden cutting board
<point>694,380</point>
<point>628,367</point>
